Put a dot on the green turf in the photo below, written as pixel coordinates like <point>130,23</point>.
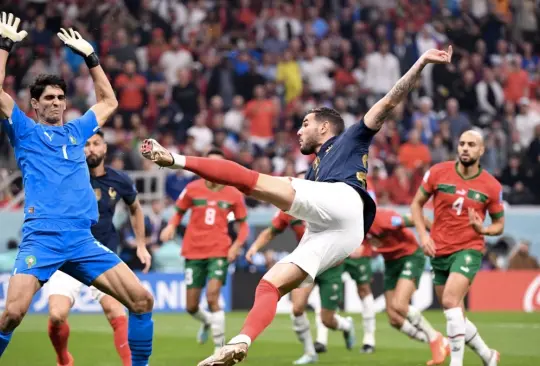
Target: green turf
<point>515,335</point>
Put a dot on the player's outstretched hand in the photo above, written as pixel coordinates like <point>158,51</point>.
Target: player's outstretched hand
<point>144,256</point>
<point>250,253</point>
<point>476,221</point>
<point>233,253</point>
<point>167,233</point>
<point>76,42</point>
<point>153,151</point>
<point>428,246</point>
<point>434,56</point>
<point>8,28</point>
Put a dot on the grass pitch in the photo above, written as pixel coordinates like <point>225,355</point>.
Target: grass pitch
<point>515,335</point>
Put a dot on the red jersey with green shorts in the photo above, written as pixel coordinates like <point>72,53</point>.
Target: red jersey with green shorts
<point>457,244</point>
<point>207,233</point>
<point>403,259</point>
<point>282,220</point>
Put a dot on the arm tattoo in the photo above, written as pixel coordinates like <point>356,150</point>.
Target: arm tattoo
<point>398,93</point>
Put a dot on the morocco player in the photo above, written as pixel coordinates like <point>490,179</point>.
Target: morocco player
<point>110,186</point>
<point>404,264</point>
<point>330,289</point>
<point>60,205</point>
<point>332,200</point>
<point>462,194</point>
<point>207,246</point>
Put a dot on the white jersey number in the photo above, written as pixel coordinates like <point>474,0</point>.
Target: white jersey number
<point>458,205</point>
<point>210,216</point>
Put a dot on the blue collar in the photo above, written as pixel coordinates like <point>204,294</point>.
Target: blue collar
<point>326,146</point>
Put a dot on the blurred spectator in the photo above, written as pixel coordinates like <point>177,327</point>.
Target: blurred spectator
<point>234,118</point>
<point>438,151</point>
<point>131,89</point>
<point>525,122</point>
<point>201,133</point>
<point>414,153</point>
<point>458,122</point>
<point>426,118</point>
<point>399,187</point>
<point>7,258</point>
<point>261,114</point>
<point>174,58</point>
<point>186,94</point>
<point>383,70</point>
<point>489,93</point>
<point>316,69</point>
<point>516,81</point>
<point>288,73</point>
<point>521,259</point>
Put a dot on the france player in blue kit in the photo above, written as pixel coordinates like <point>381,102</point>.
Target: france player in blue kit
<point>110,186</point>
<point>60,205</point>
<point>332,200</point>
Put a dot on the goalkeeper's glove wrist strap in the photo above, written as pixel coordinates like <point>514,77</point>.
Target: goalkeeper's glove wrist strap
<point>6,44</point>
<point>92,60</point>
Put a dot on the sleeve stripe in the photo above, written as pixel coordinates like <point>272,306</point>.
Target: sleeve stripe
<point>423,190</point>
<point>406,221</point>
<point>496,215</point>
<point>242,219</point>
<point>180,210</point>
<point>275,230</point>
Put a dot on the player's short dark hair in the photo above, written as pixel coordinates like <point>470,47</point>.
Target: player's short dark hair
<point>215,151</point>
<point>44,80</point>
<point>331,115</point>
<point>100,133</point>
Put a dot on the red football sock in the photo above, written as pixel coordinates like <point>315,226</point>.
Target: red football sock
<point>223,172</point>
<point>263,311</point>
<point>120,327</point>
<point>59,335</point>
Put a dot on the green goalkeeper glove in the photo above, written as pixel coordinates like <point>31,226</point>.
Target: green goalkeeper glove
<point>79,45</point>
<point>8,31</point>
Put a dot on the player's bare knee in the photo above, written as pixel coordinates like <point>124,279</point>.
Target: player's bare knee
<point>192,308</point>
<point>363,290</point>
<point>400,306</point>
<point>143,302</point>
<point>298,309</point>
<point>12,317</point>
<point>327,318</point>
<point>450,301</point>
<point>394,319</point>
<point>213,301</point>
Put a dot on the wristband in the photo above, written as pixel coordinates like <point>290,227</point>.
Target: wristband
<point>92,60</point>
<point>6,44</point>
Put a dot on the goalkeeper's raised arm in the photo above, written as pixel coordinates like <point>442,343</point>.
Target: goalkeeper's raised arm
<point>8,37</point>
<point>106,100</point>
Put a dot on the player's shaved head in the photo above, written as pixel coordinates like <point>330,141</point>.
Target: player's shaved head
<point>95,150</point>
<point>318,126</point>
<point>470,147</point>
<point>215,153</point>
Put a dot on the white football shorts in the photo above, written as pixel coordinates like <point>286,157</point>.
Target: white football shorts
<point>63,284</point>
<point>334,216</point>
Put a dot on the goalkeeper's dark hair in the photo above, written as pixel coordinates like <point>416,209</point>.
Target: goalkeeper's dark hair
<point>215,151</point>
<point>323,114</point>
<point>45,80</point>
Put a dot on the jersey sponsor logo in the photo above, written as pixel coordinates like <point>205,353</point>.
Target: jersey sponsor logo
<point>461,192</point>
<point>49,136</point>
<point>31,210</point>
<point>30,261</point>
<point>212,203</point>
<point>112,193</point>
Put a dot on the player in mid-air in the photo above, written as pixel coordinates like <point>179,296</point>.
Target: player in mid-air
<point>207,246</point>
<point>110,186</point>
<point>332,200</point>
<point>60,205</point>
<point>404,263</point>
<point>330,290</point>
<point>462,194</point>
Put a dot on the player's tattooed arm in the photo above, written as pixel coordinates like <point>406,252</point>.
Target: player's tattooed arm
<point>376,116</point>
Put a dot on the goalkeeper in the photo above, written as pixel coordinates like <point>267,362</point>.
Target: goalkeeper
<point>60,205</point>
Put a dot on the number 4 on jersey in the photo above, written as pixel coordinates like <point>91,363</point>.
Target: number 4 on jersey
<point>458,205</point>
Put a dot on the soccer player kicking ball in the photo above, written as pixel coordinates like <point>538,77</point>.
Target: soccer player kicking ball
<point>110,186</point>
<point>60,205</point>
<point>330,288</point>
<point>332,200</point>
<point>404,264</point>
<point>207,246</point>
<point>462,193</point>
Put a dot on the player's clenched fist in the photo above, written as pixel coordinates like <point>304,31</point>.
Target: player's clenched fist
<point>428,245</point>
<point>8,31</point>
<point>167,233</point>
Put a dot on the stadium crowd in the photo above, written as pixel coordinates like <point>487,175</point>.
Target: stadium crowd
<point>240,75</point>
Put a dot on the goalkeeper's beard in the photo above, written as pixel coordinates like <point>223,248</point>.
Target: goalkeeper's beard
<point>94,161</point>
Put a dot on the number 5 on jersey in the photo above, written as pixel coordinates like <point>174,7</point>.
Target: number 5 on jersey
<point>458,205</point>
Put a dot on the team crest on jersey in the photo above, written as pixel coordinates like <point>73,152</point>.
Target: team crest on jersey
<point>408,265</point>
<point>220,262</point>
<point>361,176</point>
<point>73,140</point>
<point>362,268</point>
<point>211,203</point>
<point>335,286</point>
<point>328,149</point>
<point>112,193</point>
<point>97,192</point>
<point>468,259</point>
<point>30,261</point>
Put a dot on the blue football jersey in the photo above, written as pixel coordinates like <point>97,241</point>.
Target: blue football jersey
<point>109,189</point>
<point>344,158</point>
<point>55,175</point>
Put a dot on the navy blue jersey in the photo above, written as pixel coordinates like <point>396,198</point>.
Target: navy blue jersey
<point>109,189</point>
<point>54,170</point>
<point>344,158</point>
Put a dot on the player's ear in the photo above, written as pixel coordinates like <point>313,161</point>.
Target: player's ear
<point>34,103</point>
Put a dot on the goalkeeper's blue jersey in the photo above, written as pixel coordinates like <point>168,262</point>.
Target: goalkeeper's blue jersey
<point>55,174</point>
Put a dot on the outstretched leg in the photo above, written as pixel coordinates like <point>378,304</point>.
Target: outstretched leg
<point>116,315</point>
